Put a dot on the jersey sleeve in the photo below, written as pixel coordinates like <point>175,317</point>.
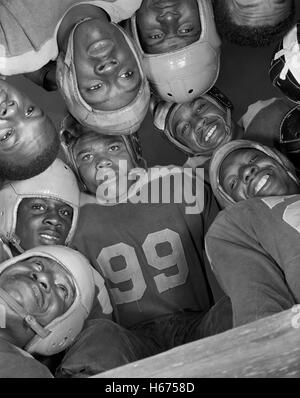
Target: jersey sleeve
<point>13,364</point>
<point>245,260</point>
<point>102,293</point>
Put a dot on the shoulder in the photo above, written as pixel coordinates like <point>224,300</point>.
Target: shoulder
<point>17,363</point>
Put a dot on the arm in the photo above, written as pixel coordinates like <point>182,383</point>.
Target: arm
<point>44,77</point>
<point>247,272</point>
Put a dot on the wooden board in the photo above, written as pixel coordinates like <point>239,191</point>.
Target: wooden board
<point>269,347</point>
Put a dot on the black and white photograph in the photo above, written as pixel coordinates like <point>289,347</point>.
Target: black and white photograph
<point>149,191</point>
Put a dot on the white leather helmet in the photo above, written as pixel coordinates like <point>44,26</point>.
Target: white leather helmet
<point>125,120</point>
<point>182,75</point>
<point>61,331</point>
<point>56,182</point>
<point>223,198</point>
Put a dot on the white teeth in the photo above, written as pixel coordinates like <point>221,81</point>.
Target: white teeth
<point>262,182</point>
<point>210,133</point>
<point>49,237</point>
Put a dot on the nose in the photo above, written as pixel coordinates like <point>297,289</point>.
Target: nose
<point>8,108</point>
<point>107,66</point>
<point>43,280</point>
<point>199,122</point>
<point>248,173</point>
<point>53,218</point>
<point>104,162</point>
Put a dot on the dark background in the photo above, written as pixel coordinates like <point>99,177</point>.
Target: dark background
<point>243,78</point>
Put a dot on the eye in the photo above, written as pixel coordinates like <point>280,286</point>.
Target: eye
<point>29,111</point>
<point>63,289</point>
<point>200,108</point>
<point>185,30</point>
<point>87,157</point>
<point>7,135</point>
<point>38,265</point>
<point>66,213</point>
<point>38,206</point>
<point>232,183</point>
<point>114,148</point>
<point>185,128</point>
<point>156,36</point>
<point>127,75</point>
<point>95,87</point>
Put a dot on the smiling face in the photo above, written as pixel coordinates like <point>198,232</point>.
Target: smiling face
<point>246,173</point>
<point>43,221</point>
<point>168,25</point>
<point>200,125</point>
<point>24,128</point>
<point>95,153</point>
<point>107,72</point>
<point>41,286</point>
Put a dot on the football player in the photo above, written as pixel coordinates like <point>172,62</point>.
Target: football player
<point>254,248</point>
<point>179,46</point>
<point>151,254</point>
<point>42,210</point>
<point>198,127</point>
<point>98,71</point>
<point>244,169</point>
<point>28,139</point>
<point>45,296</point>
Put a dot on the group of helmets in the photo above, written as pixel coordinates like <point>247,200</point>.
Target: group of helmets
<point>56,182</point>
<point>176,76</point>
<point>284,73</point>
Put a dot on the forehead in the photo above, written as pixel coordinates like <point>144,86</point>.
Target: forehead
<point>266,4</point>
<point>50,201</point>
<point>89,140</point>
<point>240,153</point>
<point>48,263</point>
<point>161,4</point>
<point>271,9</point>
<point>186,110</point>
<point>237,158</point>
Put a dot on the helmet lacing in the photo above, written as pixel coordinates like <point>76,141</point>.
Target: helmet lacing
<point>292,58</point>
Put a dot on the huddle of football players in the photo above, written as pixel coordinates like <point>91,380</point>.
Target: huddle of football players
<point>104,260</point>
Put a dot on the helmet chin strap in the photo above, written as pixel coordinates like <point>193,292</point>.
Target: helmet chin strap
<point>29,319</point>
<point>15,241</point>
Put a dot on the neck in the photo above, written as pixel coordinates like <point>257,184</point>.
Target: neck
<point>74,15</point>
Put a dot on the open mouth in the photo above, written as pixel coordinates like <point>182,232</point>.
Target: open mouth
<point>262,182</point>
<point>259,184</point>
<point>210,133</point>
<point>50,237</point>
